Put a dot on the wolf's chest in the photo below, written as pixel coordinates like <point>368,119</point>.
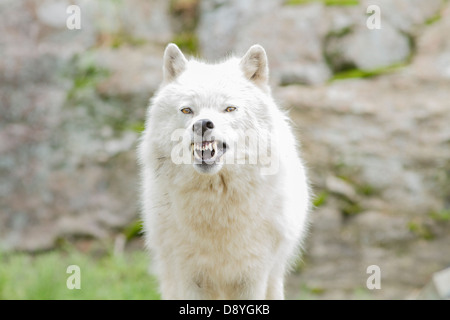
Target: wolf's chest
<point>228,241</point>
<point>229,232</point>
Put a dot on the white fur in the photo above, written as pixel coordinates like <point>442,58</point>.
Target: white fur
<point>229,234</point>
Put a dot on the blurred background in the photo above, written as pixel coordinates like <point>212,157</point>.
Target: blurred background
<point>371,108</point>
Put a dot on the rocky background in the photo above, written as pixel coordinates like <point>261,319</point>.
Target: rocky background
<point>371,107</point>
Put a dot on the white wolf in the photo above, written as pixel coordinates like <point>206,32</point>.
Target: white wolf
<point>218,229</point>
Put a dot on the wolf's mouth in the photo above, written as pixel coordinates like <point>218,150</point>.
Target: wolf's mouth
<point>208,151</point>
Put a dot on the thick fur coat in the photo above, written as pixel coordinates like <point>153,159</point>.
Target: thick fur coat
<point>227,228</point>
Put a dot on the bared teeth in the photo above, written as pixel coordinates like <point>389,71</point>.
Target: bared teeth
<point>204,146</point>
<point>209,145</point>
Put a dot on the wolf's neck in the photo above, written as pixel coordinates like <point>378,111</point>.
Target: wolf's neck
<point>222,200</point>
<point>229,182</point>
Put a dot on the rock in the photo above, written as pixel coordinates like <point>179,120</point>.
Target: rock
<point>367,49</point>
<point>350,44</point>
<point>438,288</point>
<point>433,50</point>
<point>340,187</point>
<point>406,15</point>
<point>341,19</point>
<point>140,76</point>
<point>349,122</point>
<point>53,13</point>
<point>222,21</point>
<point>134,21</point>
<point>80,225</point>
<point>326,219</point>
<point>69,113</point>
<point>374,227</point>
<point>38,238</point>
<point>289,63</point>
<point>125,143</point>
<point>147,19</point>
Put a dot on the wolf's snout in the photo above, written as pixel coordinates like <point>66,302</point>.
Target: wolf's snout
<point>205,147</point>
<point>200,127</point>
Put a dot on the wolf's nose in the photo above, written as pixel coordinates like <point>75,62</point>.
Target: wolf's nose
<point>203,125</point>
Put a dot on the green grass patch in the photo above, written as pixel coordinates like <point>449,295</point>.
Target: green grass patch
<point>120,39</point>
<point>43,276</point>
<point>308,292</point>
<point>98,109</point>
<point>367,190</point>
<point>187,42</point>
<point>350,208</point>
<point>326,2</point>
<point>420,230</point>
<point>358,73</point>
<point>339,33</point>
<point>123,124</point>
<point>85,74</point>
<point>433,19</point>
<point>186,14</point>
<point>88,77</point>
<point>320,199</point>
<point>133,230</point>
<point>441,215</point>
<point>361,293</point>
<point>137,126</point>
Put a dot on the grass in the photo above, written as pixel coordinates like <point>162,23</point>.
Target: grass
<point>85,75</point>
<point>442,215</point>
<point>133,230</point>
<point>320,199</point>
<point>358,73</point>
<point>308,292</point>
<point>350,208</point>
<point>433,19</point>
<point>120,39</point>
<point>367,190</point>
<point>187,42</point>
<point>43,276</point>
<point>186,13</point>
<point>104,109</point>
<point>420,230</point>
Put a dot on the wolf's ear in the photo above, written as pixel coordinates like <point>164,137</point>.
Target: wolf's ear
<point>174,63</point>
<point>254,65</point>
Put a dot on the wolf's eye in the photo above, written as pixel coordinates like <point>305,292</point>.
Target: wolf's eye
<point>230,109</point>
<point>186,110</point>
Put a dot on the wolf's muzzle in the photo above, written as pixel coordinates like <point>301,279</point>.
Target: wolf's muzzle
<point>200,127</point>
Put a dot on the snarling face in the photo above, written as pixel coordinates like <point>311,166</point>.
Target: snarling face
<point>207,111</point>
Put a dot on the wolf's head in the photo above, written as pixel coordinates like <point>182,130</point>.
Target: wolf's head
<point>209,114</point>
